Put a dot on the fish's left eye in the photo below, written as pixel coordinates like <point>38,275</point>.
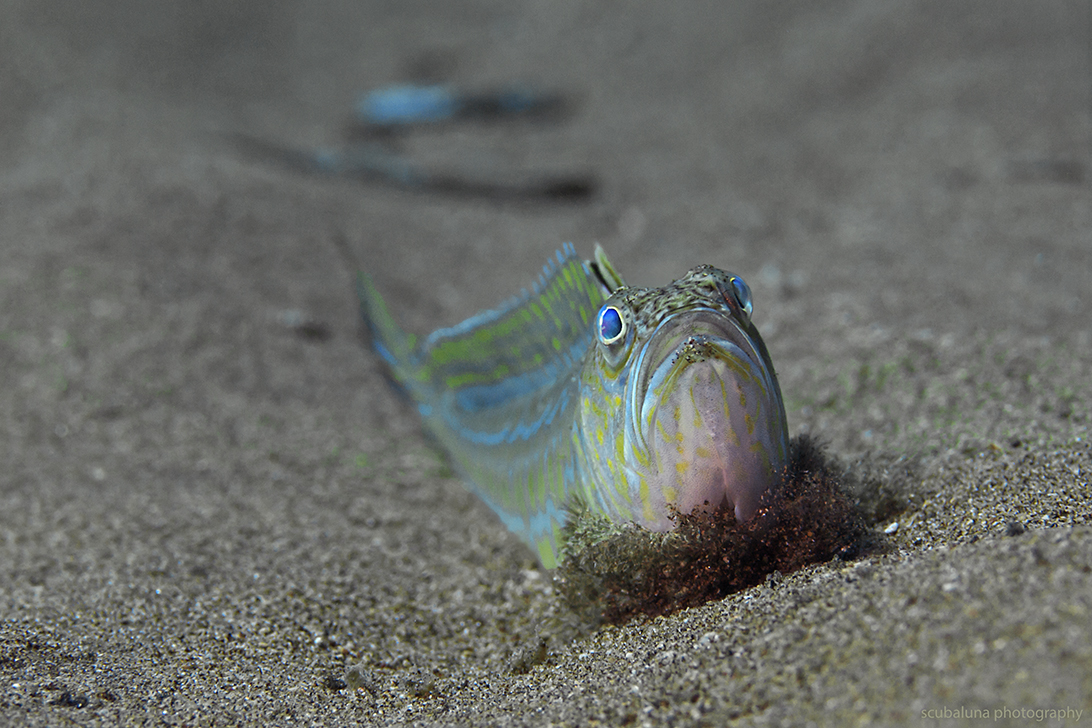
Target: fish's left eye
<point>742,292</point>
<point>611,325</point>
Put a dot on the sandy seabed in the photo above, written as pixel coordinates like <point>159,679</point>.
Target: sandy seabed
<point>212,506</point>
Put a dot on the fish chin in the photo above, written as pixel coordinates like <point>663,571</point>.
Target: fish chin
<point>715,431</point>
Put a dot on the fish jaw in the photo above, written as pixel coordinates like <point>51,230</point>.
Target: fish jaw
<point>715,430</point>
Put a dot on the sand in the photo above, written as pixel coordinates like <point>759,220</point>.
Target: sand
<point>214,511</point>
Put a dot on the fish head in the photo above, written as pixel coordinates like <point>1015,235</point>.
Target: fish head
<point>680,409</point>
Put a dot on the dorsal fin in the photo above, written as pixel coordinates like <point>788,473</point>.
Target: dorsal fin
<point>499,389</point>
<point>606,271</point>
<point>523,344</point>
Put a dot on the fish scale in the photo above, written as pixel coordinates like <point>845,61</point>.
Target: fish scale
<point>536,407</point>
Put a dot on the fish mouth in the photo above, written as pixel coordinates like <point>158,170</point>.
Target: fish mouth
<point>708,413</point>
<point>689,337</point>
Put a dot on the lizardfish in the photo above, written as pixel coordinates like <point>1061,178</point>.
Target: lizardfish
<point>640,402</point>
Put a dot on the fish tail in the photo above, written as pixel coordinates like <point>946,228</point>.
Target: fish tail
<point>395,346</point>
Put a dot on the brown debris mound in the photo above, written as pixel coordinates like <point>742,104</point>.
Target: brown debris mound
<point>634,571</point>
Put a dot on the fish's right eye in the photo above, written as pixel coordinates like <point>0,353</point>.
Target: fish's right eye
<point>611,325</point>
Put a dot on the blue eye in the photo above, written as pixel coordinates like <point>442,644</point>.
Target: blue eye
<point>612,327</point>
<point>743,295</point>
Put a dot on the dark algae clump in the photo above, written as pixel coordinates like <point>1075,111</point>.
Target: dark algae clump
<point>613,573</point>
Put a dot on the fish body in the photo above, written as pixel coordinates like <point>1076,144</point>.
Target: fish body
<point>637,401</point>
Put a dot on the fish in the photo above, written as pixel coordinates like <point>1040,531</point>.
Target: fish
<point>402,105</point>
<point>386,113</point>
<point>637,403</point>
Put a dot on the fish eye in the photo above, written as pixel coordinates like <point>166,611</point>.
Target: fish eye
<point>611,325</point>
<point>742,293</point>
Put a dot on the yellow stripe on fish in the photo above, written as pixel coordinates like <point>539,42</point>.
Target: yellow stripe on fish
<point>637,401</point>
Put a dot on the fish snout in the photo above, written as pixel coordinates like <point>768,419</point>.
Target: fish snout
<point>719,434</point>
